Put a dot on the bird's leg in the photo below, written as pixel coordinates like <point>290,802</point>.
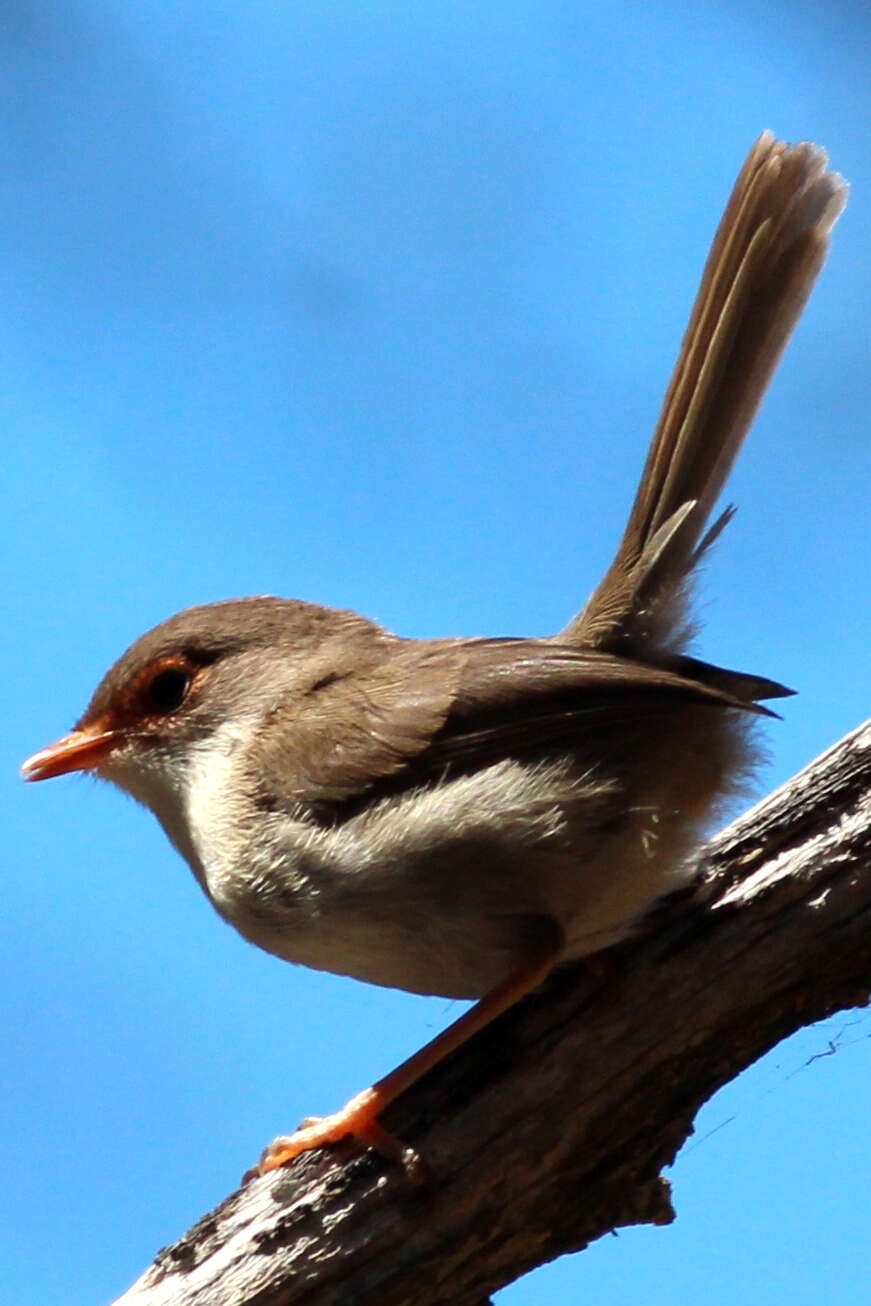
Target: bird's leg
<point>359,1116</point>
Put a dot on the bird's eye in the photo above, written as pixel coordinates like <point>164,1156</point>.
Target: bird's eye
<point>167,690</point>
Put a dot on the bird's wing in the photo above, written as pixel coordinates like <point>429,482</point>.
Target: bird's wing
<point>431,709</point>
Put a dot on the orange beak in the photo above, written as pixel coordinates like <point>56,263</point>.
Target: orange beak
<point>80,751</point>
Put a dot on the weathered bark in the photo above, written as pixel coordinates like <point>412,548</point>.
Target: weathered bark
<point>551,1127</point>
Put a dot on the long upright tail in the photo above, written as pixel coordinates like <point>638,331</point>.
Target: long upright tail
<point>768,250</point>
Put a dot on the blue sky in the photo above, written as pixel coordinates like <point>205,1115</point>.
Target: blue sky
<point>375,304</point>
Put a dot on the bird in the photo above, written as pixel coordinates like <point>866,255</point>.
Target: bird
<point>460,816</point>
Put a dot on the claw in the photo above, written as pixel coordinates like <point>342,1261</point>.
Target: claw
<point>358,1119</point>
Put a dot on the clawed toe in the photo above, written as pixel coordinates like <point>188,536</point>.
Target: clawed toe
<point>358,1119</point>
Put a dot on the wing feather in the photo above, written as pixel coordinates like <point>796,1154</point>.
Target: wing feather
<point>427,711</point>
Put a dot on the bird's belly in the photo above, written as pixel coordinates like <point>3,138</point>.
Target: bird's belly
<point>446,892</point>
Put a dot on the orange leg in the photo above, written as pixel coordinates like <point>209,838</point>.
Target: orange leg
<point>359,1117</point>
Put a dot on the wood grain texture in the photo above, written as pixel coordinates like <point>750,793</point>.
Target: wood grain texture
<point>551,1128</point>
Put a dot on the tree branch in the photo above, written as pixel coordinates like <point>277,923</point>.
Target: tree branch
<point>551,1127</point>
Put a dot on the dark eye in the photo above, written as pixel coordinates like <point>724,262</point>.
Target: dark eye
<point>168,690</point>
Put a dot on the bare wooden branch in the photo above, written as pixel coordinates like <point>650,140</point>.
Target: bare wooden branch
<point>551,1128</point>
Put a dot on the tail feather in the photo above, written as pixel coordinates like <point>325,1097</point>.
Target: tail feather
<point>767,252</point>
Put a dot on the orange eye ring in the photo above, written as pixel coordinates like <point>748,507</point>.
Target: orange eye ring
<point>167,689</point>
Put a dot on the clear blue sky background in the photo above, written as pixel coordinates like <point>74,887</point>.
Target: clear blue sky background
<point>374,304</point>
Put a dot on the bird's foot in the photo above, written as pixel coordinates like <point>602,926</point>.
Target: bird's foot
<point>357,1119</point>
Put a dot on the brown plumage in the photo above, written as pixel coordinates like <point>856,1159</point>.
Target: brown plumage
<point>457,816</point>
